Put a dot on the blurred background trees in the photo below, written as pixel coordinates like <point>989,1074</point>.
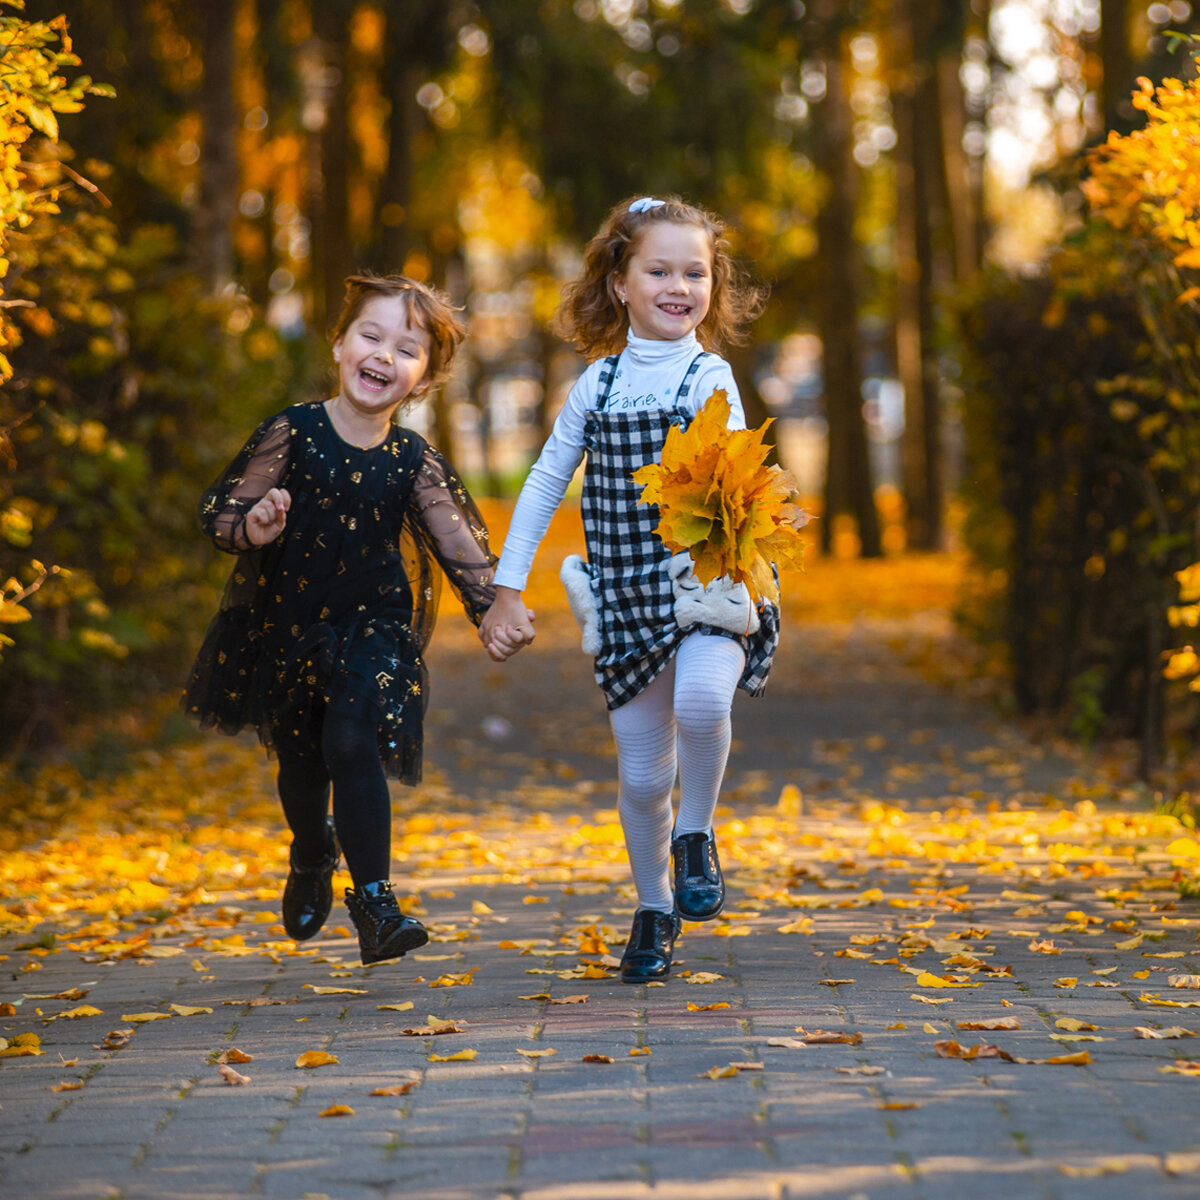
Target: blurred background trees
<point>903,173</point>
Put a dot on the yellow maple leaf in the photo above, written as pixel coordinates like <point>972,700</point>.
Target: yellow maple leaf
<point>316,1058</point>
<point>719,501</point>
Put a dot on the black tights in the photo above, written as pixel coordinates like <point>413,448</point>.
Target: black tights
<point>362,812</point>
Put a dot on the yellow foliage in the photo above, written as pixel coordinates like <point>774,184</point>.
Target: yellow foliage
<point>719,501</point>
<point>1147,182</point>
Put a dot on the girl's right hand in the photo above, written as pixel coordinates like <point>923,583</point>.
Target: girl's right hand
<point>265,521</point>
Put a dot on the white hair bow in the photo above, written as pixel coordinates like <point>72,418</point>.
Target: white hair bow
<point>645,204</point>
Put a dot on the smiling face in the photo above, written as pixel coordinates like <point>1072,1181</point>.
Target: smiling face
<point>382,357</point>
<point>667,282</point>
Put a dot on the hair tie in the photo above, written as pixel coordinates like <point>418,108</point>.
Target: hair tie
<point>645,204</point>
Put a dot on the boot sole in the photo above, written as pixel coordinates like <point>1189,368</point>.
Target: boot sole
<point>398,946</point>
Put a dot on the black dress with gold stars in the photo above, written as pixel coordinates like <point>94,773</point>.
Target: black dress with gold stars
<point>332,617</point>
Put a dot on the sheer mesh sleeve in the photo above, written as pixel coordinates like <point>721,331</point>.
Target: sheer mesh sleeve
<point>260,465</point>
<point>450,527</point>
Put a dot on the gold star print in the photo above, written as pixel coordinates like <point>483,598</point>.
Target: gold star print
<point>383,679</point>
<point>356,477</point>
<point>414,688</point>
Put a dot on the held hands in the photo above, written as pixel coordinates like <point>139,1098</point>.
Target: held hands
<point>265,521</point>
<point>507,626</point>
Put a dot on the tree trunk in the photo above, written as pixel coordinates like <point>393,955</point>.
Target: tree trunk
<point>1116,64</point>
<point>914,105</point>
<point>962,203</point>
<point>219,167</point>
<point>328,159</point>
<point>848,486</point>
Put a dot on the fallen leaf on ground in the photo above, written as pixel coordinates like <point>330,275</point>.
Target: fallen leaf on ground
<point>115,1040</point>
<point>335,991</point>
<point>581,998</point>
<point>547,1053</point>
<point>189,1010</point>
<point>338,1110</point>
<point>1154,998</point>
<point>234,1055</point>
<point>932,999</point>
<point>727,1072</point>
<point>898,1105</point>
<point>463,979</point>
<point>747,1066</point>
<point>787,1043</point>
<point>1182,1066</point>
<point>928,979</point>
<point>143,1018</point>
<point>232,1077</point>
<point>994,1023</point>
<point>826,1037</point>
<point>434,1028</point>
<point>401,1006</point>
<point>597,1058</point>
<point>708,1007</point>
<point>396,1089</point>
<point>461,1056</point>
<point>1039,946</point>
<point>68,1085</point>
<point>1184,981</point>
<point>952,1049</point>
<point>1172,1031</point>
<point>864,1070</point>
<point>1073,1024</point>
<point>316,1058</point>
<point>834,982</point>
<point>704,977</point>
<point>1068,981</point>
<point>84,1010</point>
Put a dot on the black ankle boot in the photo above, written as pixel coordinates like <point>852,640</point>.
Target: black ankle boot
<point>699,887</point>
<point>383,930</point>
<point>648,955</point>
<point>308,893</point>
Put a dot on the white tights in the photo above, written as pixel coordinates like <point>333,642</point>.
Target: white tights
<point>686,706</point>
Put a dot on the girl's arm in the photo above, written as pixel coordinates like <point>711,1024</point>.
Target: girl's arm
<point>450,525</point>
<point>249,483</point>
<point>545,485</point>
<point>507,622</point>
<point>715,373</point>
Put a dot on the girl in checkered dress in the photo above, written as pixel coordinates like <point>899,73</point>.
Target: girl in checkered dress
<point>657,294</point>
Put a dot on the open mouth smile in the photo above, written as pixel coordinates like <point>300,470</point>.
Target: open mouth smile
<point>373,379</point>
<point>675,310</point>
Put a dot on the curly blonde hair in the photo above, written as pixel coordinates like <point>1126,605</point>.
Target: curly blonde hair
<point>594,320</point>
<point>427,308</point>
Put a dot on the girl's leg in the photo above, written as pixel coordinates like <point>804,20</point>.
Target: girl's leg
<point>303,785</point>
<point>707,670</point>
<point>644,731</point>
<point>362,812</point>
<point>362,808</point>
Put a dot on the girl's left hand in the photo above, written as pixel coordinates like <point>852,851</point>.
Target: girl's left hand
<point>265,521</point>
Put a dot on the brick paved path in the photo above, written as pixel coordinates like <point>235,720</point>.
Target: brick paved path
<point>879,1115</point>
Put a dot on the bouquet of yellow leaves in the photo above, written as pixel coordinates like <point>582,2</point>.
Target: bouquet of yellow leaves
<point>719,501</point>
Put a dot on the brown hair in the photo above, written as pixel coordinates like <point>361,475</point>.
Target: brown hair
<point>427,308</point>
<point>591,316</point>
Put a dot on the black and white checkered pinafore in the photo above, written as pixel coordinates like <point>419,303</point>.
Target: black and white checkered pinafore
<point>628,562</point>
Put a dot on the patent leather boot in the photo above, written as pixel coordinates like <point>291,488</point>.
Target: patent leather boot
<point>308,893</point>
<point>383,930</point>
<point>651,943</point>
<point>699,886</point>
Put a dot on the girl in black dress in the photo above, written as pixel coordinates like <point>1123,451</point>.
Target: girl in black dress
<point>337,516</point>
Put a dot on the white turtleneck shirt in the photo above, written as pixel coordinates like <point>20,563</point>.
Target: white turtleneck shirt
<point>648,376</point>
